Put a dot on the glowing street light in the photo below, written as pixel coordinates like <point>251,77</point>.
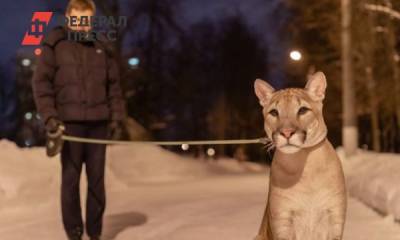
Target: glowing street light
<point>185,147</point>
<point>28,116</point>
<point>296,55</point>
<point>26,62</point>
<point>211,152</point>
<point>134,62</point>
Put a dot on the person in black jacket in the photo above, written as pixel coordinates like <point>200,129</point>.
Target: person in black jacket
<point>77,85</point>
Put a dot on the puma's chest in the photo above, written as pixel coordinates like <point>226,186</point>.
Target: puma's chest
<point>306,199</point>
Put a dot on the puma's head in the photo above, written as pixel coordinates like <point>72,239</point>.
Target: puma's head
<point>293,117</point>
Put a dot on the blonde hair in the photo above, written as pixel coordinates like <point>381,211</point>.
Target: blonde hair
<point>81,5</point>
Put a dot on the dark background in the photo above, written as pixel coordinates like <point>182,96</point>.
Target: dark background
<point>198,62</point>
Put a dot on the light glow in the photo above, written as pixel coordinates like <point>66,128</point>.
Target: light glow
<point>185,147</point>
<point>296,55</point>
<point>26,62</point>
<point>211,152</point>
<point>133,62</point>
<point>28,116</point>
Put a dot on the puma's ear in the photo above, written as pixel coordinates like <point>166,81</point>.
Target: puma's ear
<point>263,91</point>
<point>316,86</point>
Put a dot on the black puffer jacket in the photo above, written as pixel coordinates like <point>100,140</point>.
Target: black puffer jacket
<point>77,81</point>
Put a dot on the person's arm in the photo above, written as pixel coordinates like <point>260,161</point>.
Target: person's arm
<point>115,96</point>
<point>42,84</point>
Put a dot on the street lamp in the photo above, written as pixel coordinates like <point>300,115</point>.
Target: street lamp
<point>28,116</point>
<point>134,62</point>
<point>26,62</point>
<point>211,152</point>
<point>185,147</point>
<point>296,55</point>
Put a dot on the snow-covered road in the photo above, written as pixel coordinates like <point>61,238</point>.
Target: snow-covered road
<point>153,194</point>
<point>212,208</point>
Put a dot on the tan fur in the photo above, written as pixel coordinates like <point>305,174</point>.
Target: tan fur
<point>307,195</point>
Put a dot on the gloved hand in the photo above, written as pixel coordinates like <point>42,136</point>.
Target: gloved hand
<point>53,124</point>
<point>54,141</point>
<point>115,129</point>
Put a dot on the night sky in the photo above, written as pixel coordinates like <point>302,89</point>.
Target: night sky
<point>261,16</point>
<point>16,16</point>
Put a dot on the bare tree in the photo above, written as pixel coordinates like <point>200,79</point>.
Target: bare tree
<point>350,131</point>
<point>364,66</point>
<point>379,57</point>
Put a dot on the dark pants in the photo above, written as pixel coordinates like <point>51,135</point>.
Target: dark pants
<point>72,158</point>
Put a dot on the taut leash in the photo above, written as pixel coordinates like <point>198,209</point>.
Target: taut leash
<point>167,143</point>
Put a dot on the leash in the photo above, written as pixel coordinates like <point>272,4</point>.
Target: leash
<point>167,143</point>
<point>54,142</point>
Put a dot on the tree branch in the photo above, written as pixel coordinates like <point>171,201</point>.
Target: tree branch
<point>383,9</point>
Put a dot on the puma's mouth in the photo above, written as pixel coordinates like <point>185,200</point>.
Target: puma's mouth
<point>289,148</point>
<point>295,141</point>
<point>291,145</point>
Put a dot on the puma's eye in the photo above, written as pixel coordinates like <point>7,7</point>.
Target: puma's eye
<point>303,110</point>
<point>274,112</point>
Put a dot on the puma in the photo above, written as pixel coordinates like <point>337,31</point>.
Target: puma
<point>307,193</point>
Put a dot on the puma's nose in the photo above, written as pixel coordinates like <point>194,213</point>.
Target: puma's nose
<point>287,132</point>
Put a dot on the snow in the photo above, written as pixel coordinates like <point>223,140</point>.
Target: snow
<point>28,173</point>
<point>374,179</point>
<point>147,163</point>
<point>154,194</point>
<point>22,170</point>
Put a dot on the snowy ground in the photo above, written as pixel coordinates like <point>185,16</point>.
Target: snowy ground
<point>374,179</point>
<point>154,195</point>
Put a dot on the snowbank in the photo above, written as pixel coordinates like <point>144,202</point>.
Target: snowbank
<point>146,163</point>
<point>374,179</point>
<point>28,175</point>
